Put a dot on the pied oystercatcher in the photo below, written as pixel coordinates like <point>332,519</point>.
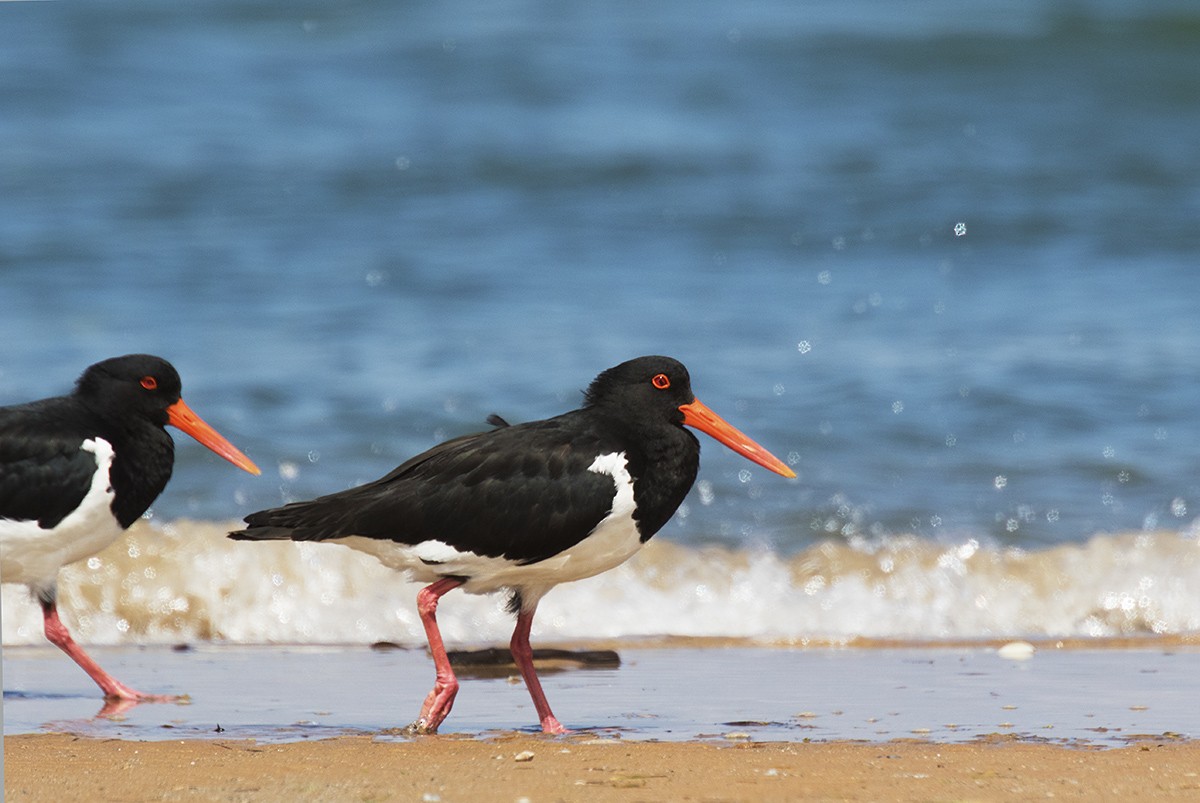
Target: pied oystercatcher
<point>77,470</point>
<point>525,507</point>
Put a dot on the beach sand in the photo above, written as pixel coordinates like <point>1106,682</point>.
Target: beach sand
<point>677,720</point>
<point>523,767</point>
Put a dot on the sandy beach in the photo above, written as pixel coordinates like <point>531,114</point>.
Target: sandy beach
<point>523,767</point>
<point>676,720</point>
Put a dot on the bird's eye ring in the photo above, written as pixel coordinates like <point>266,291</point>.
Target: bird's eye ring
<point>661,381</point>
<point>149,383</point>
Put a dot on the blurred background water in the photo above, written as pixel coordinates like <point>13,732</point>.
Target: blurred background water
<point>941,256</point>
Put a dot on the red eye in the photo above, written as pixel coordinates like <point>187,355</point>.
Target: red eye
<point>661,381</point>
<point>149,382</point>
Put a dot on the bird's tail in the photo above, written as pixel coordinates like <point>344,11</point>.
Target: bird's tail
<point>253,533</point>
<point>294,522</point>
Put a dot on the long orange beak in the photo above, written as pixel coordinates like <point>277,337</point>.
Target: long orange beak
<point>180,415</point>
<point>699,416</point>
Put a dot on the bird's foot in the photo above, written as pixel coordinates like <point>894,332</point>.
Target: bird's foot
<point>436,708</point>
<point>551,725</point>
<point>421,727</point>
<point>116,691</point>
<point>115,706</point>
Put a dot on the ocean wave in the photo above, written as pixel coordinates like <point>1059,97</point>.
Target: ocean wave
<point>185,582</point>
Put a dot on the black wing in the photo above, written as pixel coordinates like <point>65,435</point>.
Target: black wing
<point>522,492</point>
<point>44,474</point>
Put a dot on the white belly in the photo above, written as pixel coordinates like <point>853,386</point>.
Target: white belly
<point>612,542</point>
<point>33,555</point>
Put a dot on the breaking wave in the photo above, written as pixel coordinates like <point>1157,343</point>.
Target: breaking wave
<point>184,581</point>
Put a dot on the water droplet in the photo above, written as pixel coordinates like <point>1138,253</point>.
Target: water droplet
<point>960,229</point>
<point>1178,507</point>
<point>1109,452</point>
<point>824,277</point>
<point>897,406</point>
<point>804,347</point>
<point>1000,482</point>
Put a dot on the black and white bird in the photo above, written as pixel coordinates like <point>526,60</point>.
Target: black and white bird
<point>77,470</point>
<point>525,507</point>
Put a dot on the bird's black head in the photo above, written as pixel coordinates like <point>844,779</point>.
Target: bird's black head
<point>142,388</point>
<point>650,391</point>
<point>647,388</point>
<point>136,385</point>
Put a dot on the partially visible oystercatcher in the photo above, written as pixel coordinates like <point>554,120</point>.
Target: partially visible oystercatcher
<point>525,507</point>
<point>77,470</point>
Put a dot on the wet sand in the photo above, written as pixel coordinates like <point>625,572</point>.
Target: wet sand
<point>674,690</point>
<point>678,719</point>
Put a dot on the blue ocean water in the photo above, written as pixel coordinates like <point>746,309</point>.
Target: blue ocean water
<point>944,257</point>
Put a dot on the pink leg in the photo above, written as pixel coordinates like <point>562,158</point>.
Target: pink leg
<point>523,654</point>
<point>445,685</point>
<point>113,689</point>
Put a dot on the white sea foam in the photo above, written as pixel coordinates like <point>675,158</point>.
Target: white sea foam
<point>185,581</point>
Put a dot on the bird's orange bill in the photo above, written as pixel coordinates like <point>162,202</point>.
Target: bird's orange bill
<point>699,416</point>
<point>180,415</point>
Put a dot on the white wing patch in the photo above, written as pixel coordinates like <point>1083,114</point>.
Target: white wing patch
<point>613,541</point>
<point>33,555</point>
<point>615,466</point>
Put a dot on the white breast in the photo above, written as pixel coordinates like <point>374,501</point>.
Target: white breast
<point>613,541</point>
<point>33,555</point>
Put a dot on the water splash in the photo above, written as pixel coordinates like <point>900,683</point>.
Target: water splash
<point>185,581</point>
